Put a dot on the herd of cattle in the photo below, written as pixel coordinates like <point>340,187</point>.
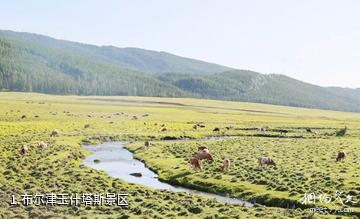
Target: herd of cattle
<point>203,153</point>
<point>41,144</point>
<point>25,149</point>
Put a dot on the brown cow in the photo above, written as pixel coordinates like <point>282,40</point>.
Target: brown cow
<point>226,165</point>
<point>42,145</point>
<point>24,150</point>
<point>146,144</point>
<point>341,156</point>
<point>204,154</point>
<point>266,161</point>
<point>195,164</point>
<point>55,133</point>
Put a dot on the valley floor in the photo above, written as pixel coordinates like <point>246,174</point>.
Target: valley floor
<point>305,156</point>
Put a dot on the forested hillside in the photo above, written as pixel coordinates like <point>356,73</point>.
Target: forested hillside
<point>276,89</point>
<point>131,58</point>
<point>31,67</point>
<point>35,63</point>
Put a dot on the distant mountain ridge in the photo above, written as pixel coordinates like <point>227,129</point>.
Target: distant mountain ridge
<point>31,62</point>
<point>132,58</point>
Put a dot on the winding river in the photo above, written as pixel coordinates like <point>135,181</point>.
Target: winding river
<point>118,162</point>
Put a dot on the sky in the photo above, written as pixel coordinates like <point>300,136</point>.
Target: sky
<point>316,41</point>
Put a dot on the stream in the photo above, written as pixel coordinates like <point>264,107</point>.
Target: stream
<point>118,162</point>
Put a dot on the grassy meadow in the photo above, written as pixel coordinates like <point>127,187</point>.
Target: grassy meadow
<point>305,160</point>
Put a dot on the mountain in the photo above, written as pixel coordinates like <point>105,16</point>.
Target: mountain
<point>31,62</point>
<point>240,85</point>
<point>131,58</point>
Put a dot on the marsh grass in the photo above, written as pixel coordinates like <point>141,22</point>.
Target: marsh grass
<point>303,163</point>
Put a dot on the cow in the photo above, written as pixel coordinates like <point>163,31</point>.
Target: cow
<point>24,150</point>
<point>42,145</point>
<point>203,154</point>
<point>195,164</point>
<point>55,133</point>
<point>146,144</point>
<point>216,130</point>
<point>226,165</point>
<point>341,156</point>
<point>86,126</point>
<point>266,161</point>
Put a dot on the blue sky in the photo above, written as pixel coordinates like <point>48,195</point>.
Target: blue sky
<point>314,41</point>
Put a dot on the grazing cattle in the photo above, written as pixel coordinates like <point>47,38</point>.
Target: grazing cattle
<point>203,154</point>
<point>195,164</point>
<point>87,126</point>
<point>308,130</point>
<point>216,130</point>
<point>23,116</point>
<point>134,118</point>
<point>24,150</point>
<point>55,133</point>
<point>198,125</point>
<point>341,156</point>
<point>226,165</point>
<point>163,129</point>
<point>42,145</point>
<point>147,144</point>
<point>267,161</point>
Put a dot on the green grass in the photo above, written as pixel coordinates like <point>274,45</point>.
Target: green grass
<point>305,160</point>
